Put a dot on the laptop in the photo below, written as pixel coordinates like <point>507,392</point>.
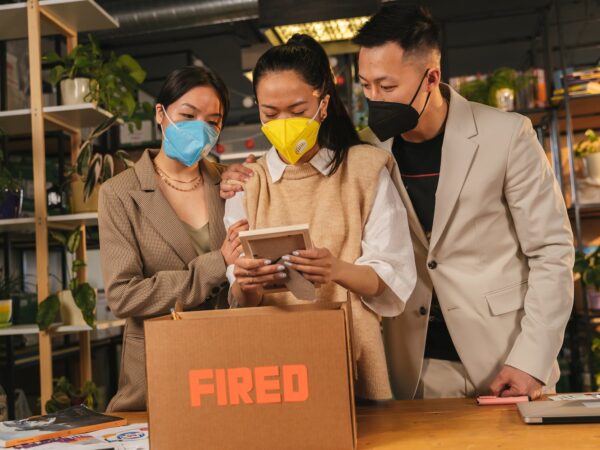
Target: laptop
<point>561,411</point>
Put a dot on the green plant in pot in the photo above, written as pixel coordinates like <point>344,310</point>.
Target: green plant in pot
<point>588,266</point>
<point>93,168</point>
<point>77,305</point>
<point>8,287</point>
<point>589,151</point>
<point>75,71</point>
<point>65,395</point>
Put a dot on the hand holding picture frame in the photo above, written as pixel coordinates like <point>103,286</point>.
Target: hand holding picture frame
<point>272,244</point>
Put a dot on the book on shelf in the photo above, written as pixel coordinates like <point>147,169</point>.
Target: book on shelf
<point>74,420</point>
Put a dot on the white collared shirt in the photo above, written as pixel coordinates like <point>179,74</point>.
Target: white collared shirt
<point>386,244</point>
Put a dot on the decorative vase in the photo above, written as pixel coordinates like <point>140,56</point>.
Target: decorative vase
<point>78,204</point>
<point>505,99</point>
<point>12,204</point>
<point>593,166</point>
<point>74,91</point>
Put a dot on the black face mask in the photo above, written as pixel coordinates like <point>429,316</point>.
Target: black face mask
<point>389,119</point>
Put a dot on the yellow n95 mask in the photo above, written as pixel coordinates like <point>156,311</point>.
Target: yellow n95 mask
<point>294,136</point>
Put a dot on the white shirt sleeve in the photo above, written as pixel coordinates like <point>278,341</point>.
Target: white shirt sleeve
<point>387,248</point>
<point>234,212</point>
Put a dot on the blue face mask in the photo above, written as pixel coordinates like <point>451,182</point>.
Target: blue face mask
<point>189,141</point>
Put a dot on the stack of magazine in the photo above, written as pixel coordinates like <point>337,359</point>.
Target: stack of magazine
<point>76,428</point>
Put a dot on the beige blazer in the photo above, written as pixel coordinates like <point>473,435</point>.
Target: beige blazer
<point>500,255</point>
<point>149,262</point>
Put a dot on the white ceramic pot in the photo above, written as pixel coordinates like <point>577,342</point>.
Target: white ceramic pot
<point>505,99</point>
<point>593,166</point>
<point>74,91</point>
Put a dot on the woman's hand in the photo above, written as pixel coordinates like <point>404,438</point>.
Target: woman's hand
<point>317,265</point>
<point>252,274</point>
<point>232,248</point>
<point>233,179</point>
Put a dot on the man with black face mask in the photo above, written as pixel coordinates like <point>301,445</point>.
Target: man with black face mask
<point>492,239</point>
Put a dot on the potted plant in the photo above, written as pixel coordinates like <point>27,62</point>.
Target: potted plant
<point>93,168</point>
<point>116,80</point>
<point>11,193</point>
<point>77,304</point>
<point>587,265</point>
<point>75,70</point>
<point>589,151</point>
<point>8,286</point>
<point>65,395</point>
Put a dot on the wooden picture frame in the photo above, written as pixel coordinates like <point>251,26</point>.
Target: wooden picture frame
<point>273,243</point>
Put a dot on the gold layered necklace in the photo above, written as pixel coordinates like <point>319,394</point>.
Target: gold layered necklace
<point>195,182</point>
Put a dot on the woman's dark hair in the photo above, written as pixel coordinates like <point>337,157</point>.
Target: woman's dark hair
<point>306,57</point>
<point>182,80</point>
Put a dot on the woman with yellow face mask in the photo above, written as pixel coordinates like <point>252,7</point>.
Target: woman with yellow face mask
<point>319,173</point>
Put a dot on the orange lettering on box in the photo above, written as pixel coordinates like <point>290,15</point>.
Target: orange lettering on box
<point>295,383</point>
<point>221,387</point>
<point>197,389</point>
<point>240,385</point>
<point>271,384</point>
<point>263,385</point>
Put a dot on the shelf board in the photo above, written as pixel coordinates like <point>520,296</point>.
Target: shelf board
<point>76,116</point>
<point>20,225</point>
<point>72,220</point>
<point>78,15</point>
<point>18,330</point>
<point>65,221</point>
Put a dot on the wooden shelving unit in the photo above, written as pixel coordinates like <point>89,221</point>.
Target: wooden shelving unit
<point>64,117</point>
<point>31,20</point>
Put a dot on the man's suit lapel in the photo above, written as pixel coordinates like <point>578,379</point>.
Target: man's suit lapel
<point>458,151</point>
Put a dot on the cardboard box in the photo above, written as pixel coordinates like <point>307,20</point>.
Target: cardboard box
<point>252,378</point>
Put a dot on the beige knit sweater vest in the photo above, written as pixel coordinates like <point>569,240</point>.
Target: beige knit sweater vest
<point>336,207</point>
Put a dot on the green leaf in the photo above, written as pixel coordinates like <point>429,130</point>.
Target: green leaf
<point>52,57</point>
<point>135,70</point>
<point>108,168</point>
<point>93,176</point>
<point>56,74</point>
<point>129,103</point>
<point>74,240</point>
<point>83,159</point>
<point>85,299</point>
<point>59,237</point>
<point>47,311</point>
<point>77,265</point>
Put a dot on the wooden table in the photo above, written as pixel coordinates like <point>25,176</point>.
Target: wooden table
<point>456,424</point>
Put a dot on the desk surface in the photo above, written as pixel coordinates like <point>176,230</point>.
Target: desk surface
<point>456,424</point>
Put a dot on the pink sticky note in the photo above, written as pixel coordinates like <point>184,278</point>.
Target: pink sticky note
<point>485,400</point>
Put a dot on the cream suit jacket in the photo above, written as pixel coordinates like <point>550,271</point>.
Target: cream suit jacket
<point>500,254</point>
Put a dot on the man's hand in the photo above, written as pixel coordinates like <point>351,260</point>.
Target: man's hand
<point>512,382</point>
<point>233,179</point>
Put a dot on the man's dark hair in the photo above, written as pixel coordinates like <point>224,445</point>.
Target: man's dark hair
<point>412,27</point>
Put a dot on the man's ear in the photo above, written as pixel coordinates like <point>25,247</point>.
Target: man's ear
<point>434,77</point>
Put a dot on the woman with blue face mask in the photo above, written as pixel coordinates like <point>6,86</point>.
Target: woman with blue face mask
<point>162,238</point>
<point>319,173</point>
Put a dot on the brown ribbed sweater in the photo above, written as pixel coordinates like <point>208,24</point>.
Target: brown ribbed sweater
<point>336,207</point>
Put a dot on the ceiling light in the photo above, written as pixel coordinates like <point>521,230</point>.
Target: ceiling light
<point>323,31</point>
